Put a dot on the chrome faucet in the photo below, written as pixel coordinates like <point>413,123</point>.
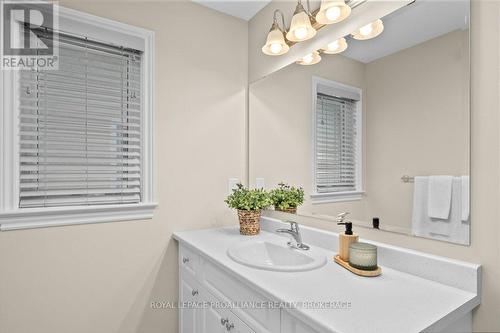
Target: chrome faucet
<point>295,233</point>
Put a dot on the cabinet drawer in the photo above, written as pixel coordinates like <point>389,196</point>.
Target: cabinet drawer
<point>219,320</point>
<point>229,289</point>
<point>188,260</point>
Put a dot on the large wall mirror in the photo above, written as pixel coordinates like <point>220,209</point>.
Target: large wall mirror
<point>380,130</point>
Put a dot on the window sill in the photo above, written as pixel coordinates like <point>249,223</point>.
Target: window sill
<point>62,216</point>
<point>323,198</point>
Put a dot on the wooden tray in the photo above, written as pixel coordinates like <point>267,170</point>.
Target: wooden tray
<point>356,271</point>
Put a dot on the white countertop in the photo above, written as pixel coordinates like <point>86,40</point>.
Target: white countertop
<point>393,302</point>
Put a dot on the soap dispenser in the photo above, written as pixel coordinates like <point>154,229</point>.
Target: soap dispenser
<point>347,238</point>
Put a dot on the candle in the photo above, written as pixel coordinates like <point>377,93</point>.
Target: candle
<point>363,256</point>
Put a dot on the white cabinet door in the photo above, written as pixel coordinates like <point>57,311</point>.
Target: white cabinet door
<point>189,314</point>
<point>212,321</point>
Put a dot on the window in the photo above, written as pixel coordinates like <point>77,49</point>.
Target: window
<point>80,127</point>
<point>337,142</point>
<point>80,146</point>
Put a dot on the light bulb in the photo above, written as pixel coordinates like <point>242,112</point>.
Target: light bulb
<point>336,46</point>
<point>333,46</point>
<point>276,48</point>
<point>366,30</point>
<point>333,13</point>
<point>275,42</point>
<point>300,33</point>
<point>369,31</point>
<point>308,58</point>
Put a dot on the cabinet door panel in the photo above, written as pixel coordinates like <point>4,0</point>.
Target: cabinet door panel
<point>189,316</point>
<point>212,318</point>
<point>212,321</point>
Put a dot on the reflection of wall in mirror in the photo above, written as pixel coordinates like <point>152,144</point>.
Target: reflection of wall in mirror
<point>416,122</point>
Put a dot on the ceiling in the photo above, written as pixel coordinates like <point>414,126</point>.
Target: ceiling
<point>411,25</point>
<point>243,9</point>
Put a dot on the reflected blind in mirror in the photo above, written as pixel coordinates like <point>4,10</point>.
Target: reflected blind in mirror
<point>80,134</point>
<point>335,169</point>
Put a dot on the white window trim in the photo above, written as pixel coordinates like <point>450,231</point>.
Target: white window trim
<point>13,217</point>
<point>321,198</point>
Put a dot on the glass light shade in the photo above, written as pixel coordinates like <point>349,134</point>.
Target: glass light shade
<point>337,46</point>
<point>310,59</point>
<point>332,11</point>
<point>369,31</point>
<point>300,28</point>
<point>275,43</point>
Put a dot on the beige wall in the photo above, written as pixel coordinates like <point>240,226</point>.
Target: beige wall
<point>101,278</point>
<point>417,122</point>
<point>485,171</point>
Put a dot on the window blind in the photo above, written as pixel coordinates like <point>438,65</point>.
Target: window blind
<point>335,144</point>
<point>80,127</point>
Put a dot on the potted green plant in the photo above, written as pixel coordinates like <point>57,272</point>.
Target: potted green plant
<point>249,203</point>
<point>287,198</point>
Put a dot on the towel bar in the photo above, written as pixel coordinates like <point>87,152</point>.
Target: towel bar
<point>407,179</point>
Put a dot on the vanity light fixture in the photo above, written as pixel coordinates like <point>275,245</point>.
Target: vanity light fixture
<point>301,28</point>
<point>332,11</point>
<point>310,59</point>
<point>369,31</point>
<point>275,43</point>
<point>335,47</point>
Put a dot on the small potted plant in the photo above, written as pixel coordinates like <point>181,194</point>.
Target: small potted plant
<point>249,203</point>
<point>287,198</point>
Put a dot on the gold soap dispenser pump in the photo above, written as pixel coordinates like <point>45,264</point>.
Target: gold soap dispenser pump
<point>347,238</point>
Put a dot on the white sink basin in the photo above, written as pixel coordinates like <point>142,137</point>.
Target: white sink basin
<point>275,257</point>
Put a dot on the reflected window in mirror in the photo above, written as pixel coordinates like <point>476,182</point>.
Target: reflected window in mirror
<point>337,142</point>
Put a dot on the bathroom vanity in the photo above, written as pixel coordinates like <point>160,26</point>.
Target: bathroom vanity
<point>416,292</point>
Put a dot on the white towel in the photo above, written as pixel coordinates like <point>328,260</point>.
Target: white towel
<point>450,230</point>
<point>439,197</point>
<point>420,219</point>
<point>465,198</point>
<point>422,224</point>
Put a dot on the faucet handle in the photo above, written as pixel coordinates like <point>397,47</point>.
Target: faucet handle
<point>294,226</point>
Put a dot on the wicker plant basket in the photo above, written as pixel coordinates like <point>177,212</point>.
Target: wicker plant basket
<point>291,210</point>
<point>249,222</point>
